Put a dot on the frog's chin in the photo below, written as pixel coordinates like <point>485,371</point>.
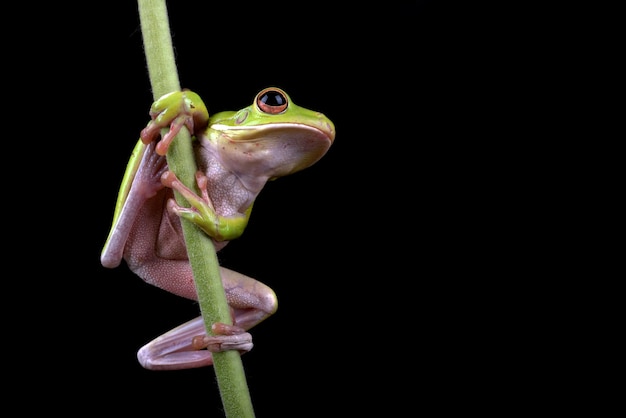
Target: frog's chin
<point>275,152</point>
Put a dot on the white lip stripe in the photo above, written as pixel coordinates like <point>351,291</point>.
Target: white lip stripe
<point>219,127</point>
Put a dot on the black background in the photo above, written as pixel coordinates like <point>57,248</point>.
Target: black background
<point>365,250</point>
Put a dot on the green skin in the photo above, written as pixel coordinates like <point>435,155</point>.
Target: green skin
<point>237,153</point>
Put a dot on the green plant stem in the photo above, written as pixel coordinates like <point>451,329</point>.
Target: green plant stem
<point>200,249</point>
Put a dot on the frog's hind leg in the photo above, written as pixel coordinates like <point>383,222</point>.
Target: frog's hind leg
<point>188,346</point>
<point>250,300</point>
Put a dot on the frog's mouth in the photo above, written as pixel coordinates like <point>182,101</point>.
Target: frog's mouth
<point>277,130</point>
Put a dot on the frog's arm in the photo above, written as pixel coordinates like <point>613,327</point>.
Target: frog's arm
<point>202,213</point>
<point>173,111</point>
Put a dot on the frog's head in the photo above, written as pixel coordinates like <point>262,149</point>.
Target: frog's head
<point>271,138</point>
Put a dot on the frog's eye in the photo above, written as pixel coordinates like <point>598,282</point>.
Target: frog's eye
<point>272,100</point>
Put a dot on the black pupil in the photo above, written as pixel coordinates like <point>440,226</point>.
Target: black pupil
<point>273,98</point>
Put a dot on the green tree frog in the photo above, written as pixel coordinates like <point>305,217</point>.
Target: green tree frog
<point>237,153</point>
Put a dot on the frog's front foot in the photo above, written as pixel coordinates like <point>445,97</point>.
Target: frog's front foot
<point>202,211</point>
<point>176,109</point>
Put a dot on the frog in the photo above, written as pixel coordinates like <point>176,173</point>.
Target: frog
<point>237,153</point>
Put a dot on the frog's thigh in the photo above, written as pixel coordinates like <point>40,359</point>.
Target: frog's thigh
<point>251,300</point>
